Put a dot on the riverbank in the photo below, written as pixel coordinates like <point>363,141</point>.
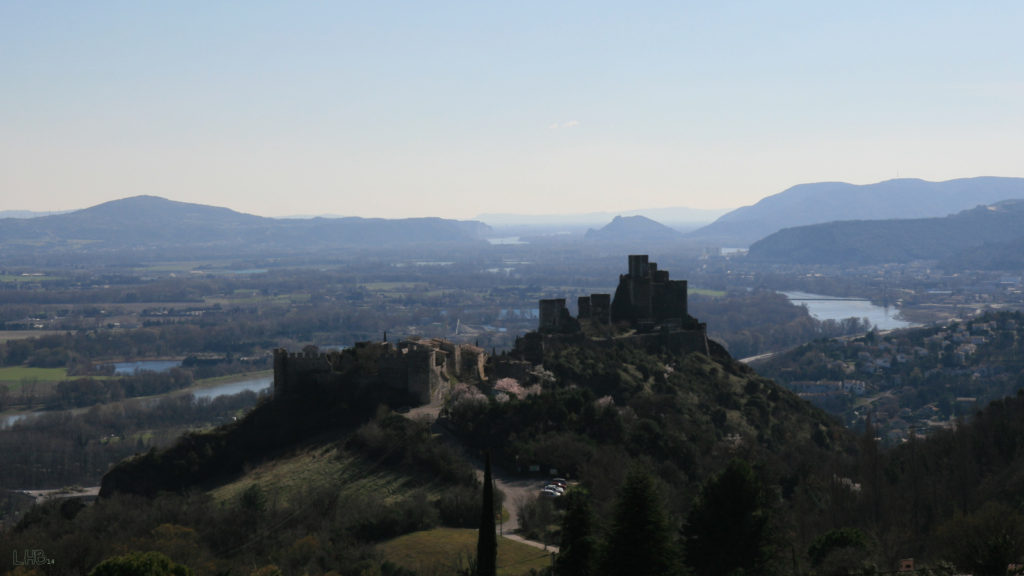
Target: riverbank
<point>206,388</point>
<point>838,308</point>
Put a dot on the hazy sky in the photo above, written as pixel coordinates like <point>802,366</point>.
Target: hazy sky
<point>452,109</point>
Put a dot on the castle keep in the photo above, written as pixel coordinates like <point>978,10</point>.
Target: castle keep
<point>646,300</point>
<point>646,295</point>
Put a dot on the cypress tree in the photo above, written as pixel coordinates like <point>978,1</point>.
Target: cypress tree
<point>487,541</point>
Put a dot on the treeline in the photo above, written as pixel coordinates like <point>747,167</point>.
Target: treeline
<point>752,323</point>
<point>950,500</point>
<point>319,529</point>
<point>59,449</point>
<point>82,352</point>
<point>85,392</point>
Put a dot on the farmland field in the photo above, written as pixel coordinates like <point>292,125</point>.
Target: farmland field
<point>14,376</point>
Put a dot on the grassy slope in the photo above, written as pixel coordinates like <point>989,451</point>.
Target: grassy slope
<point>433,550</point>
<point>313,467</point>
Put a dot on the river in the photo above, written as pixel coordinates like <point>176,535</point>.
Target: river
<point>831,307</point>
<point>255,383</point>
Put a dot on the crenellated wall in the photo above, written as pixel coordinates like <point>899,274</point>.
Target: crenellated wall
<point>415,369</point>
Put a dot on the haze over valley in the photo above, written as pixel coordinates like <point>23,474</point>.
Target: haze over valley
<point>516,289</point>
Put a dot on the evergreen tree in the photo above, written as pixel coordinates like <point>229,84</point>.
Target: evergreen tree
<point>487,541</point>
<point>728,529</point>
<point>640,542</point>
<point>140,564</point>
<point>577,554</point>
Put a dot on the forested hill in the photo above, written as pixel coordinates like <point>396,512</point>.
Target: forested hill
<point>684,462</point>
<point>633,230</point>
<point>592,410</point>
<point>996,227</point>
<point>149,225</point>
<point>585,402</point>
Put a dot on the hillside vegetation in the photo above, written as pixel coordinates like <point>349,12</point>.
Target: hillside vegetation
<point>909,382</point>
<point>681,463</point>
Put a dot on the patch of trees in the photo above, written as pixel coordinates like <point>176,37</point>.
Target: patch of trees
<point>608,409</point>
<point>950,500</point>
<point>752,323</point>
<point>84,392</point>
<point>318,529</point>
<point>59,449</point>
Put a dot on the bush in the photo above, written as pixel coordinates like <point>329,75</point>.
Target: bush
<point>459,506</point>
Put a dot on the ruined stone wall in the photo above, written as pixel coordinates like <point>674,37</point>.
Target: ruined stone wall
<point>423,374</point>
<point>473,361</point>
<point>291,368</point>
<point>583,307</point>
<point>601,308</point>
<point>551,311</point>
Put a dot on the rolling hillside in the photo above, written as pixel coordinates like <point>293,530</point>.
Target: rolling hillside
<point>156,226</point>
<point>860,242</point>
<point>807,204</point>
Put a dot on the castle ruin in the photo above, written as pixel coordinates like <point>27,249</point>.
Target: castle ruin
<point>648,309</point>
<point>653,307</point>
<point>411,371</point>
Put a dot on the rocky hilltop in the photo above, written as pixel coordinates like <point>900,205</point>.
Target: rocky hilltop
<point>631,375</point>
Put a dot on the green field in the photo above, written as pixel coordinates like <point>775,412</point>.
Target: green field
<point>14,376</point>
<point>432,550</point>
<point>6,335</point>
<point>703,292</point>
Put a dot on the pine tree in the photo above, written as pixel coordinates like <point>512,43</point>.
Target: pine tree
<point>487,542</point>
<point>640,542</point>
<point>577,554</point>
<point>729,528</point>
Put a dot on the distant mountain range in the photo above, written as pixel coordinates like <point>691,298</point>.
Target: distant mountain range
<point>149,224</point>
<point>807,204</point>
<point>676,217</point>
<point>990,235</point>
<point>26,213</point>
